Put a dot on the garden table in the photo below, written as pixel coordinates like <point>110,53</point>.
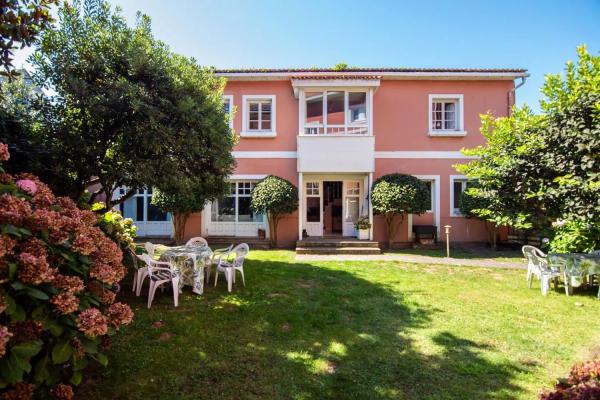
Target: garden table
<point>576,267</point>
<point>192,273</point>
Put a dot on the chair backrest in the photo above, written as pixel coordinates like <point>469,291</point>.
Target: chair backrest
<point>527,249</point>
<point>197,241</point>
<point>240,251</point>
<point>150,247</point>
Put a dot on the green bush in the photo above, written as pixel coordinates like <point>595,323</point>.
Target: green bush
<point>120,230</point>
<point>575,236</point>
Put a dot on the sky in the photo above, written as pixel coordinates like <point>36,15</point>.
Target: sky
<point>538,35</point>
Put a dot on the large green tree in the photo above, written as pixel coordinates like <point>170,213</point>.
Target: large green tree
<point>395,195</point>
<point>536,169</point>
<point>124,110</point>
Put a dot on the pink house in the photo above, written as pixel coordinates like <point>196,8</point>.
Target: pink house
<point>332,133</point>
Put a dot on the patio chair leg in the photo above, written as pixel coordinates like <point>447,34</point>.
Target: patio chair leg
<point>175,282</point>
<point>151,292</point>
<point>529,277</point>
<point>243,279</point>
<point>230,279</point>
<point>135,278</point>
<point>216,277</point>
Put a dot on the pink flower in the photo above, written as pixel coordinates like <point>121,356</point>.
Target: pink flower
<point>34,270</point>
<point>104,295</point>
<point>5,336</point>
<point>120,314</point>
<point>20,391</point>
<point>71,284</point>
<point>27,185</point>
<point>92,323</point>
<point>7,245</point>
<point>4,154</point>
<point>13,210</point>
<point>65,303</point>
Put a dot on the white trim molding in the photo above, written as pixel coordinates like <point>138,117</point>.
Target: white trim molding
<point>333,84</point>
<point>454,155</point>
<point>452,179</point>
<point>259,133</point>
<point>264,154</point>
<point>459,115</point>
<point>428,75</point>
<point>241,177</point>
<point>229,97</point>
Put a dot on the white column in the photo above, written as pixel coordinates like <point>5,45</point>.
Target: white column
<point>370,205</point>
<point>300,205</point>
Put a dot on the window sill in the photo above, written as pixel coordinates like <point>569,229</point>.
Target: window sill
<point>250,134</point>
<point>457,215</point>
<point>447,133</point>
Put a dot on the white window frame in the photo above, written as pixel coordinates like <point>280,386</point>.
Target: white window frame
<point>454,210</point>
<point>460,115</point>
<point>236,195</point>
<point>347,127</point>
<point>246,132</point>
<point>229,98</point>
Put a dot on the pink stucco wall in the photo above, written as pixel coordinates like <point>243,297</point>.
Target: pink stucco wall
<point>400,123</point>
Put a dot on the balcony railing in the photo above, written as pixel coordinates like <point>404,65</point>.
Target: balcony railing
<point>336,130</point>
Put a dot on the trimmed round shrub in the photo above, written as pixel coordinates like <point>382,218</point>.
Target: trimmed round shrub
<point>275,197</point>
<point>59,274</point>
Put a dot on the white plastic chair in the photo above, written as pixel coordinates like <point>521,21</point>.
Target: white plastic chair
<point>216,257</point>
<point>537,265</point>
<point>228,268</point>
<point>161,272</point>
<point>139,270</point>
<point>197,241</point>
<point>150,248</point>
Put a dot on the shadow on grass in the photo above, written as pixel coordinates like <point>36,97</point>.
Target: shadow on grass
<point>297,331</point>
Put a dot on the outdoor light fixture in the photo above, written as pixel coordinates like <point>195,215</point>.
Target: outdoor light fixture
<point>447,230</point>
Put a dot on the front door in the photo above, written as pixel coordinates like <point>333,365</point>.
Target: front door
<point>313,218</point>
<point>352,206</point>
<point>332,208</point>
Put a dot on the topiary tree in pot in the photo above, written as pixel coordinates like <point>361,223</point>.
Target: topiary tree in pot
<point>396,195</point>
<point>275,197</point>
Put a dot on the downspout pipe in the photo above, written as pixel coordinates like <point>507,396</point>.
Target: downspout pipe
<point>511,94</point>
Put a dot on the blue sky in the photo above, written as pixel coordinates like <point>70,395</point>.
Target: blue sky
<point>538,35</point>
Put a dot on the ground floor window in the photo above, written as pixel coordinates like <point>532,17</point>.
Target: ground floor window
<point>431,187</point>
<point>139,207</point>
<point>235,206</point>
<point>458,186</point>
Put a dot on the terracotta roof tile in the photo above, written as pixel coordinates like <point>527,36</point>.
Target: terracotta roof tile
<point>324,77</point>
<point>370,70</point>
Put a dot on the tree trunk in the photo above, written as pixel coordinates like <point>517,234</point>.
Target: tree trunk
<point>273,221</point>
<point>491,231</point>
<point>179,221</point>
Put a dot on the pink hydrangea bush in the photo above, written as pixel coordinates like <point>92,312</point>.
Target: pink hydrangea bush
<point>583,383</point>
<point>58,274</point>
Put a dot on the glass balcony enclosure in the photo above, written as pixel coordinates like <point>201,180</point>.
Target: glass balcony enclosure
<point>335,112</point>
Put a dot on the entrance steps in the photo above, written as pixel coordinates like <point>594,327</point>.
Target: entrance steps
<point>337,246</point>
<point>254,243</point>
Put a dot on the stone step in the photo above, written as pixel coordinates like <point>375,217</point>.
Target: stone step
<point>338,250</point>
<point>337,243</point>
<point>253,242</point>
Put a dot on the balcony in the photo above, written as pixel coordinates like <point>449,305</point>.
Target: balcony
<point>336,153</point>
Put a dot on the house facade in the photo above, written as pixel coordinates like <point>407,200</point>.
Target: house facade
<point>332,133</point>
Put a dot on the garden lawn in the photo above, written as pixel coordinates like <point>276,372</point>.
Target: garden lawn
<point>351,330</point>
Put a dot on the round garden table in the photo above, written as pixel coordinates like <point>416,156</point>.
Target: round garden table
<point>191,262</point>
<point>575,267</point>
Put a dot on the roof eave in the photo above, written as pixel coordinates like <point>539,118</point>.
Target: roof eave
<point>385,75</point>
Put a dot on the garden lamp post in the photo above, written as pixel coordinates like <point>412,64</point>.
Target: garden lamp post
<point>447,231</point>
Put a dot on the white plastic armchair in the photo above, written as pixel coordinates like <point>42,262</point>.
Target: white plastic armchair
<point>161,272</point>
<point>229,267</point>
<point>537,265</point>
<point>197,241</point>
<point>139,264</point>
<point>150,248</point>
<point>217,256</point>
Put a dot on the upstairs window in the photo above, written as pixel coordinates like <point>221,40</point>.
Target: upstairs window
<point>446,115</point>
<point>259,116</point>
<point>228,108</point>
<point>335,112</point>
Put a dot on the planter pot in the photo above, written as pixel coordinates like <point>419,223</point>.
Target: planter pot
<point>363,234</point>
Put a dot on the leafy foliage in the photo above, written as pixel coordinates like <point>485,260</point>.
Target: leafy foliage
<point>125,110</point>
<point>275,197</point>
<point>536,169</point>
<point>120,230</point>
<point>21,22</point>
<point>396,195</point>
<point>57,274</point>
<point>185,196</point>
<point>575,236</point>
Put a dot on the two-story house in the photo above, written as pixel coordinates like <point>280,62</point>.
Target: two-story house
<point>332,133</point>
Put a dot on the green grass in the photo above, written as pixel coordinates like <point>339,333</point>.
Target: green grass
<point>463,252</point>
<point>351,330</point>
